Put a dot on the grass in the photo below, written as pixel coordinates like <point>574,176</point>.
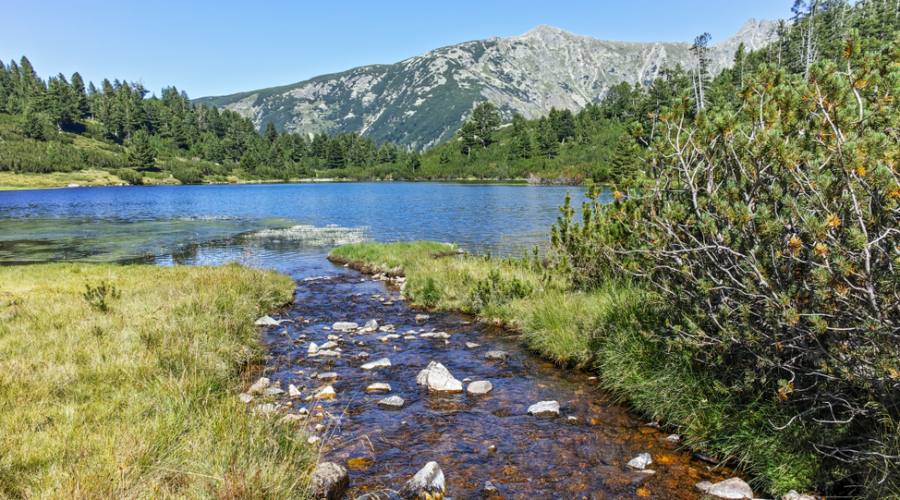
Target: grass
<point>91,177</point>
<point>121,381</point>
<point>611,330</point>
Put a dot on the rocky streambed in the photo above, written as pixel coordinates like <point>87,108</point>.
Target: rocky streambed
<point>410,403</point>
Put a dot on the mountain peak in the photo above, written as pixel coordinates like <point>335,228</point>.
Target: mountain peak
<point>545,30</point>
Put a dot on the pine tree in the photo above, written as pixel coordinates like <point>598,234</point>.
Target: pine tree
<point>141,153</point>
<point>82,107</point>
<point>521,145</point>
<point>486,119</point>
<point>33,125</point>
<point>271,133</point>
<point>548,145</point>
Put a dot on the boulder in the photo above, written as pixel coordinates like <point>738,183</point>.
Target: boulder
<point>378,363</point>
<point>641,461</point>
<point>392,402</point>
<point>344,326</point>
<point>260,386</point>
<point>378,387</point>
<point>266,321</point>
<point>544,409</point>
<point>427,483</point>
<point>733,489</point>
<point>436,377</point>
<point>479,387</point>
<point>329,481</point>
<point>496,355</point>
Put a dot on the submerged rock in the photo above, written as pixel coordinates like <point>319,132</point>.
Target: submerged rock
<point>479,387</point>
<point>378,363</point>
<point>392,402</point>
<point>427,483</point>
<point>732,489</point>
<point>544,409</point>
<point>641,461</point>
<point>329,481</point>
<point>344,326</point>
<point>496,355</point>
<point>436,377</point>
<point>267,321</point>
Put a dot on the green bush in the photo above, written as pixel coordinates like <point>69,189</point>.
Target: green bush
<point>187,175</point>
<point>129,175</point>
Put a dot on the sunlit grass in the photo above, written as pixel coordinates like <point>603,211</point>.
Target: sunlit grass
<point>138,400</point>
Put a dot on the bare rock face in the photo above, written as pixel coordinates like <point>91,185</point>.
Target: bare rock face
<point>436,377</point>
<point>526,74</point>
<point>329,481</point>
<point>428,483</point>
<point>732,489</point>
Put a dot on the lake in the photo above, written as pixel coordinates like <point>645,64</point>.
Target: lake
<point>268,225</point>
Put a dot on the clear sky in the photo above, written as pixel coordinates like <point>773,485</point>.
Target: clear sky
<point>219,47</point>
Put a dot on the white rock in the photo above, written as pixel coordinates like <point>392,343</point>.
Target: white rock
<point>392,402</point>
<point>329,353</point>
<point>378,363</point>
<point>435,335</point>
<point>344,326</point>
<point>260,386</point>
<point>732,489</point>
<point>673,438</point>
<point>329,345</point>
<point>244,397</point>
<point>273,391</point>
<point>293,391</point>
<point>327,376</point>
<point>378,387</point>
<point>267,321</point>
<point>422,318</point>
<point>436,377</point>
<point>641,461</point>
<point>496,355</point>
<point>479,387</point>
<point>427,483</point>
<point>329,481</point>
<point>312,349</point>
<point>793,495</point>
<point>326,392</point>
<point>472,345</point>
<point>544,409</point>
<point>372,324</point>
<point>390,336</point>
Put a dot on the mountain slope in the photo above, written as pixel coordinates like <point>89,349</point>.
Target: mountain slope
<point>422,101</point>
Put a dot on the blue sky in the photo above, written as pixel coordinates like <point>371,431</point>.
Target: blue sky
<point>219,47</point>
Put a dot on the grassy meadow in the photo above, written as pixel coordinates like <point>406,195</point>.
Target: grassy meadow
<point>121,382</point>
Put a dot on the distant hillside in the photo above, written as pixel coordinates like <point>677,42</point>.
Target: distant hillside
<point>422,101</point>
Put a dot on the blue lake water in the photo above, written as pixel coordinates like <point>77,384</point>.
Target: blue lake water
<point>218,223</point>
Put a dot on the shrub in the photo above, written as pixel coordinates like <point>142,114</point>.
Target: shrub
<point>130,176</point>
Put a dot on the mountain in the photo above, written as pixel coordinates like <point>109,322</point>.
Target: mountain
<point>422,101</point>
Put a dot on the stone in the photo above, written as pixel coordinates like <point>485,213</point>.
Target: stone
<point>329,481</point>
<point>490,491</point>
<point>292,418</point>
<point>793,495</point>
<point>641,461</point>
<point>496,355</point>
<point>273,391</point>
<point>386,328</point>
<point>673,438</point>
<point>362,355</point>
<point>436,377</point>
<point>260,386</point>
<point>435,335</point>
<point>326,392</point>
<point>732,489</point>
<point>329,345</point>
<point>334,338</point>
<point>327,376</point>
<point>344,326</point>
<point>329,353</point>
<point>378,363</point>
<point>421,318</point>
<point>267,321</point>
<point>313,439</point>
<point>390,336</point>
<point>244,397</point>
<point>392,402</point>
<point>544,409</point>
<point>293,391</point>
<point>472,345</point>
<point>427,483</point>
<point>312,349</point>
<point>371,324</point>
<point>378,387</point>
<point>479,387</point>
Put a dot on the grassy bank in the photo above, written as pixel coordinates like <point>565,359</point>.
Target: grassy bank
<point>608,330</point>
<point>128,388</point>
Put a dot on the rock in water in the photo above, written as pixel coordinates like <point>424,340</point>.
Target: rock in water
<point>479,387</point>
<point>344,326</point>
<point>372,323</point>
<point>793,495</point>
<point>428,483</point>
<point>436,377</point>
<point>260,386</point>
<point>329,481</point>
<point>732,489</point>
<point>641,461</point>
<point>378,387</point>
<point>392,402</point>
<point>312,349</point>
<point>544,409</point>
<point>293,391</point>
<point>267,321</point>
<point>378,363</point>
<point>496,355</point>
